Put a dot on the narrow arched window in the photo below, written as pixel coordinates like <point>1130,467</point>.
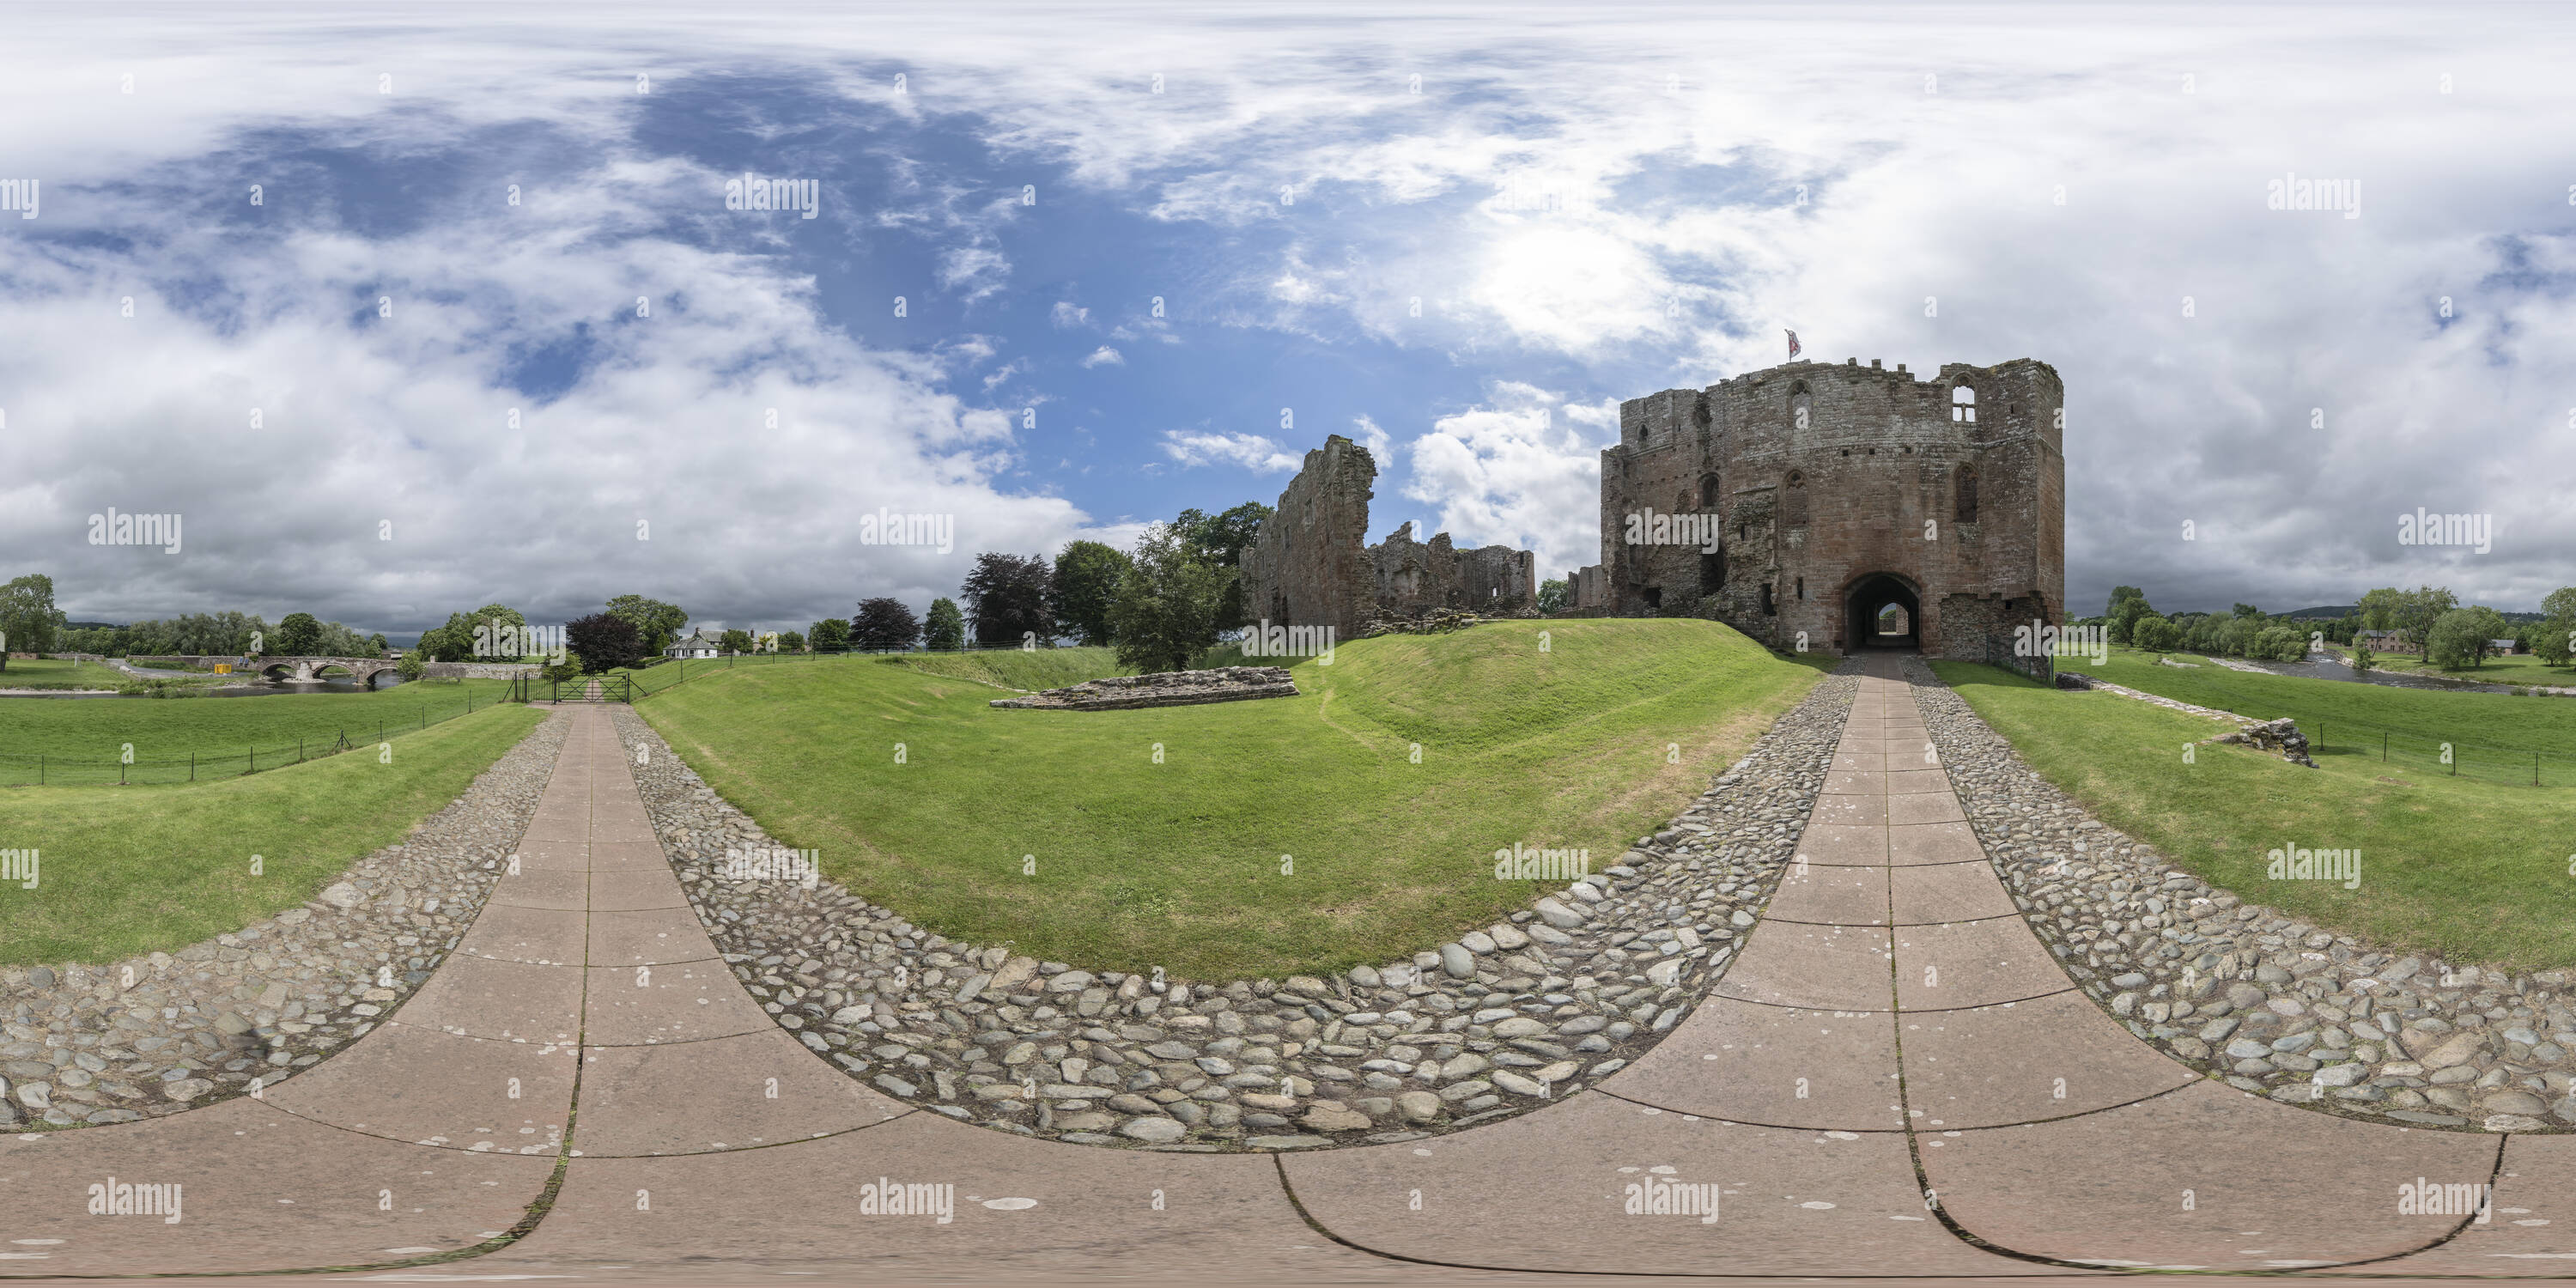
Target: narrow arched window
<point>1794,506</point>
<point>1708,492</point>
<point>1767,606</point>
<point>1967,494</point>
<point>1963,405</point>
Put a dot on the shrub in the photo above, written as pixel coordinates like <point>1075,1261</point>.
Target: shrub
<point>604,641</point>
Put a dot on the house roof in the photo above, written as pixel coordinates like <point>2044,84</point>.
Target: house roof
<point>699,637</point>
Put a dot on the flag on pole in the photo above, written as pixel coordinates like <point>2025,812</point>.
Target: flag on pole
<point>1794,350</point>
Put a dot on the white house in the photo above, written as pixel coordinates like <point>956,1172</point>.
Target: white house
<point>698,644</point>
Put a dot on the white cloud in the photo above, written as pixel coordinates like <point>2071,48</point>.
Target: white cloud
<point>1066,315</point>
<point>1371,437</point>
<point>1251,451</point>
<point>1104,356</point>
<point>1519,471</point>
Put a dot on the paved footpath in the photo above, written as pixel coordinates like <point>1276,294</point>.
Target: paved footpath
<point>584,1092</point>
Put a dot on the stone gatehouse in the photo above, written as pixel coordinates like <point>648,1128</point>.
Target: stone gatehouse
<point>1800,503</point>
<point>1310,565</point>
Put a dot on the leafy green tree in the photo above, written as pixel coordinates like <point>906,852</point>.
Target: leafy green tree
<point>411,666</point>
<point>1220,540</point>
<point>2561,603</point>
<point>2155,634</point>
<point>947,626</point>
<point>2128,604</point>
<point>1081,588</point>
<point>2417,610</point>
<point>657,624</point>
<point>298,635</point>
<point>1167,608</point>
<point>1552,595</point>
<point>570,667</point>
<point>2363,660</point>
<point>604,642</point>
<point>2461,637</point>
<point>1006,596</point>
<point>2247,610</point>
<point>28,616</point>
<point>831,635</point>
<point>884,623</point>
<point>377,642</point>
<point>2554,642</point>
<point>735,641</point>
<point>791,641</point>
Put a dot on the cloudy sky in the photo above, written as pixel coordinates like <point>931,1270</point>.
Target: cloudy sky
<point>404,310</point>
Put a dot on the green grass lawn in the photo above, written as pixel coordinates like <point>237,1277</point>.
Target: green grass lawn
<point>50,673</point>
<point>82,739</point>
<point>2507,668</point>
<point>2477,871</point>
<point>1178,863</point>
<point>1030,669</point>
<point>2493,735</point>
<point>141,869</point>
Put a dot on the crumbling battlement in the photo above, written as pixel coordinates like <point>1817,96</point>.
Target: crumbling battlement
<point>1310,565</point>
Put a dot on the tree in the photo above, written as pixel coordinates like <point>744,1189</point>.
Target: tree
<point>298,635</point>
<point>1167,606</point>
<point>2417,610</point>
<point>2128,604</point>
<point>884,624</point>
<point>569,667</point>
<point>377,642</point>
<point>2247,610</point>
<point>2461,637</point>
<point>947,626</point>
<point>1083,584</point>
<point>28,616</point>
<point>492,620</point>
<point>2554,641</point>
<point>2561,603</point>
<point>604,641</point>
<point>1552,595</point>
<point>1006,596</point>
<point>2363,660</point>
<point>1221,540</point>
<point>657,624</point>
<point>411,666</point>
<point>791,641</point>
<point>2378,609</point>
<point>831,635</point>
<point>2154,634</point>
<point>736,640</point>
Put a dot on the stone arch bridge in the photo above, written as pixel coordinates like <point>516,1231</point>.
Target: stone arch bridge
<point>363,670</point>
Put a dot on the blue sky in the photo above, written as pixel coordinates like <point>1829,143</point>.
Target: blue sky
<point>1459,235</point>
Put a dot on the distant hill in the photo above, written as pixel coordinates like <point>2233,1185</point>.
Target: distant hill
<point>94,626</point>
<point>2334,611</point>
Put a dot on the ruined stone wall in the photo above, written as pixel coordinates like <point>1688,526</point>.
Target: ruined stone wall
<point>1822,477</point>
<point>1310,564</point>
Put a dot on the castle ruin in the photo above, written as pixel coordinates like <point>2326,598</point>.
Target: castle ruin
<point>1838,508</point>
<point>1310,565</point>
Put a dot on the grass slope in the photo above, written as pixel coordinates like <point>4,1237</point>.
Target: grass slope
<point>1179,863</point>
<point>82,738</point>
<point>2477,871</point>
<point>52,673</point>
<point>139,869</point>
<point>2494,733</point>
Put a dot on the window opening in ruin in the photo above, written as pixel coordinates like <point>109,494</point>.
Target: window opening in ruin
<point>1802,588</point>
<point>1892,620</point>
<point>1768,608</point>
<point>1708,492</point>
<point>1654,596</point>
<point>1963,405</point>
<point>1712,573</point>
<point>1967,494</point>
<point>1796,505</point>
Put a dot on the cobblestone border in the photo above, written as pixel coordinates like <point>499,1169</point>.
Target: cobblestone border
<point>1500,1020</point>
<point>2271,1004</point>
<point>95,1045</point>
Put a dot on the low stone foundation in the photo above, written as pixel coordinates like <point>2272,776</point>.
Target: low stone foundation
<point>1162,689</point>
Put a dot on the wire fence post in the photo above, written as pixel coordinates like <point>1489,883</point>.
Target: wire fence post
<point>192,767</point>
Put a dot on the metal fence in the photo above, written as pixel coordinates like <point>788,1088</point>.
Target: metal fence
<point>47,770</point>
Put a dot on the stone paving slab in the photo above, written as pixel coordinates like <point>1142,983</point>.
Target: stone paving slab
<point>1924,807</point>
<point>487,998</point>
<point>648,937</point>
<point>259,1189</point>
<point>1017,1207</point>
<point>635,890</point>
<point>726,1093</point>
<point>553,856</point>
<point>1824,968</point>
<point>1772,1065</point>
<point>1548,1191</point>
<point>682,1002</point>
<point>1925,894</point>
<point>1830,895</point>
<point>2206,1176</point>
<point>1844,846</point>
<point>1849,811</point>
<point>2026,1061</point>
<point>562,889</point>
<point>1912,844</point>
<point>628,856</point>
<point>1972,963</point>
<point>533,936</point>
<point>2531,1222</point>
<point>432,1088</point>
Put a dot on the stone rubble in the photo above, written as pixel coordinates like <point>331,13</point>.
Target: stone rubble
<point>2271,1004</point>
<point>93,1045</point>
<point>1161,689</point>
<point>2281,736</point>
<point>1502,1019</point>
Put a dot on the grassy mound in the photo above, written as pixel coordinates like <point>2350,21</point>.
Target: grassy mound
<point>140,869</point>
<point>1237,839</point>
<point>2475,870</point>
